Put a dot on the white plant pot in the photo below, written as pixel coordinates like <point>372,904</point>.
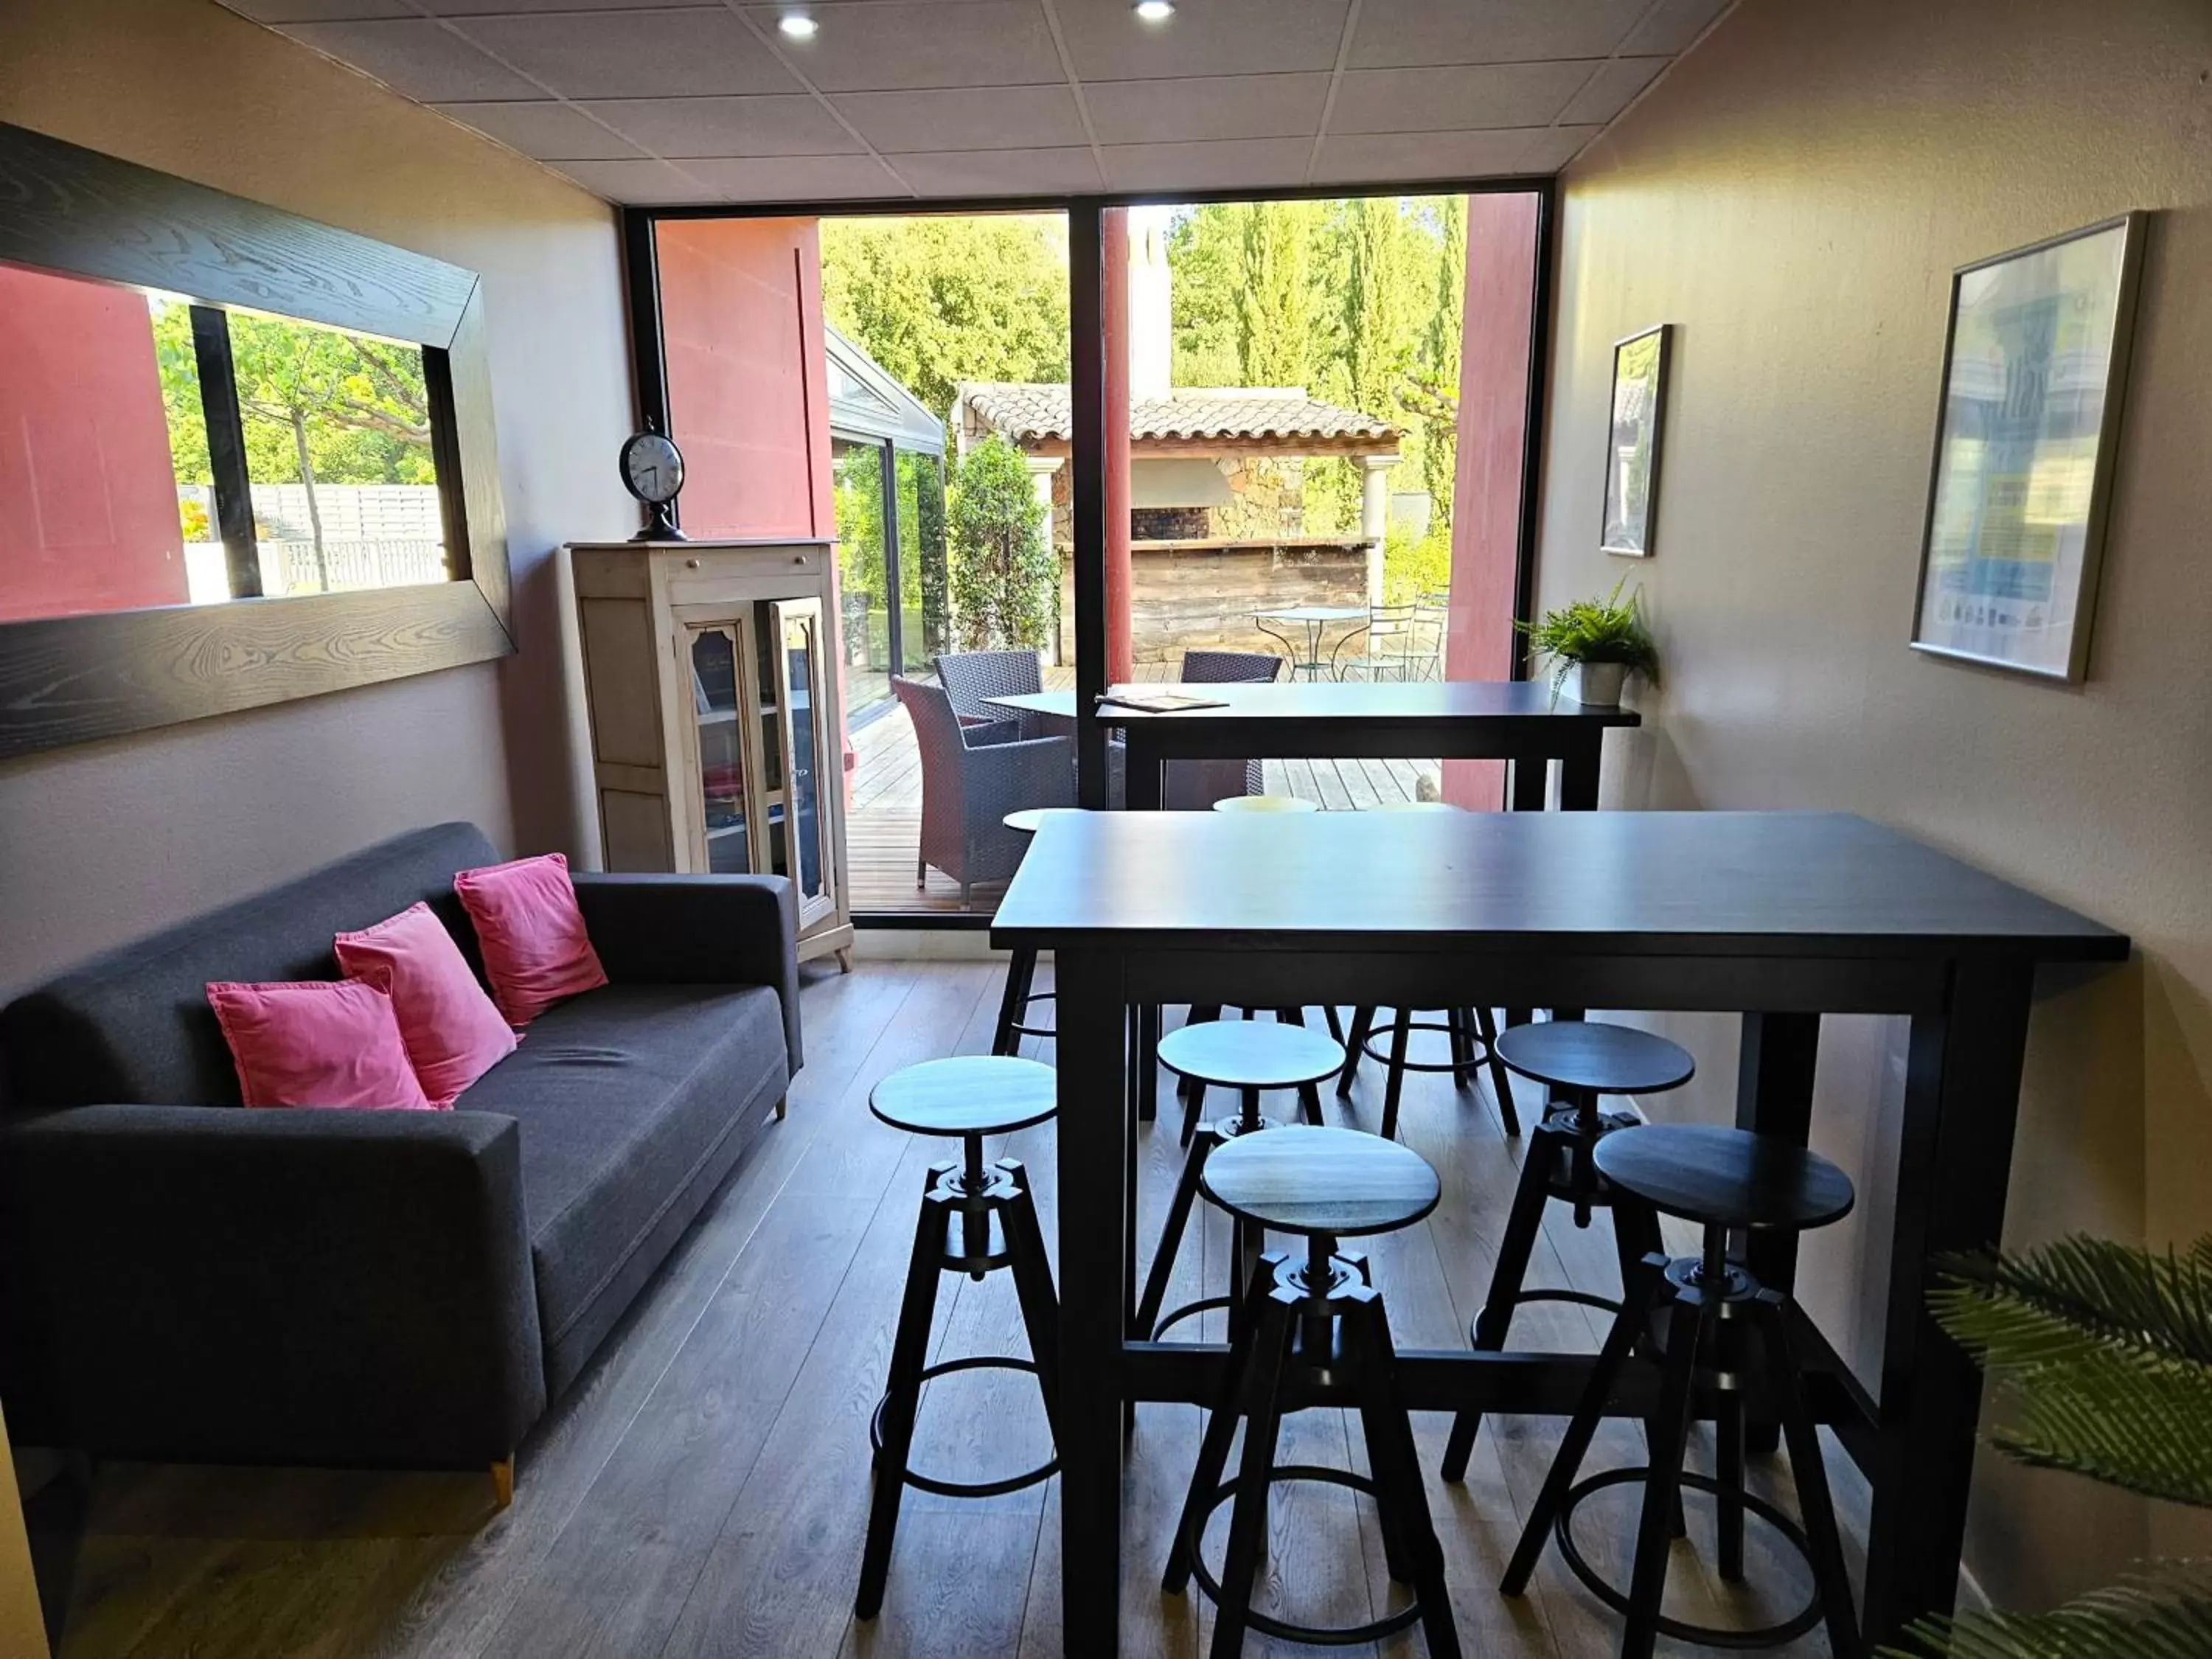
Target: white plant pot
<point>1597,684</point>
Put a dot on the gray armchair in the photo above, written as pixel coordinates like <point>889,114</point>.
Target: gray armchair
<point>972,776</point>
<point>971,678</point>
<point>1194,786</point>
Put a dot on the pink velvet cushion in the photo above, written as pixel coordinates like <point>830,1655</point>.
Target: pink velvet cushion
<point>535,949</point>
<point>321,1042</point>
<point>452,1033</point>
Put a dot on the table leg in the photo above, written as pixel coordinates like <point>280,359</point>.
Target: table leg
<point>1774,1096</point>
<point>1531,775</point>
<point>1961,1099</point>
<point>1579,774</point>
<point>1144,784</point>
<point>1094,1249</point>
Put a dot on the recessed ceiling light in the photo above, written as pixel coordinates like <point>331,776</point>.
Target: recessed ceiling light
<point>799,27</point>
<point>1155,11</point>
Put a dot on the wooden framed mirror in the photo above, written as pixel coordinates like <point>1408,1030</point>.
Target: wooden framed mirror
<point>244,457</point>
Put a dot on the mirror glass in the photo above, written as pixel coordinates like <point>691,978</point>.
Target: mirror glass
<point>111,497</point>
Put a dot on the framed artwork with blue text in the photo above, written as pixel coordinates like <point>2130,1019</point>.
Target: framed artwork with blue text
<point>2034,372</point>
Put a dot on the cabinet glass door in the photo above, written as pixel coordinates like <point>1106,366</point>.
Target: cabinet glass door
<point>794,637</point>
<point>717,683</point>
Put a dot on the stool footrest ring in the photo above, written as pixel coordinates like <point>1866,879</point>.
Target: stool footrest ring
<point>1580,1298</point>
<point>1765,1636</point>
<point>1480,1051</point>
<point>922,1482</point>
<point>1204,1304</point>
<point>1343,1636</point>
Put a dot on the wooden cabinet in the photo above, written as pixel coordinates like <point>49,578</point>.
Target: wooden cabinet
<point>717,738</point>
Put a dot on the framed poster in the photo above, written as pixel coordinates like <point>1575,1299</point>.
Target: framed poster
<point>1631,443</point>
<point>2035,366</point>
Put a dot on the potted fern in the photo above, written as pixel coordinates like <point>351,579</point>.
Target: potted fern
<point>1593,645</point>
<point>2104,1355</point>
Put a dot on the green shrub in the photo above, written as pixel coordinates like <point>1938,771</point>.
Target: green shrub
<point>1004,575</point>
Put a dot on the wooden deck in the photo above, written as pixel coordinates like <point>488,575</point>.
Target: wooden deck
<point>884,823</point>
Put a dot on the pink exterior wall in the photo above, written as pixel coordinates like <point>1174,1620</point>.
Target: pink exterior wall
<point>88,489</point>
<point>1493,421</point>
<point>741,302</point>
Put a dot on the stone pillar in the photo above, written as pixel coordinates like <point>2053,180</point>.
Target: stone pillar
<point>1042,469</point>
<point>1375,516</point>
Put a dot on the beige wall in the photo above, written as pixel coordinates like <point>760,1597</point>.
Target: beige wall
<point>99,842</point>
<point>1794,199</point>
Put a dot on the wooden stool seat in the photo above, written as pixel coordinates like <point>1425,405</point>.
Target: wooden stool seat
<point>1339,1183</point>
<point>1266,804</point>
<point>1725,1177</point>
<point>1031,819</point>
<point>968,1095</point>
<point>1606,1060</point>
<point>1251,1054</point>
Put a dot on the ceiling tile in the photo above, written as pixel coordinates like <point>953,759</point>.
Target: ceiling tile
<point>1611,88</point>
<point>1394,33</point>
<point>645,182</point>
<point>1000,172</point>
<point>1456,100</point>
<point>1235,164</point>
<point>317,11</point>
<point>1107,41</point>
<point>1207,106</point>
<point>634,54</point>
<point>548,131</point>
<point>480,8</point>
<point>1004,117</point>
<point>1673,24</point>
<point>795,177</point>
<point>939,43</point>
<point>416,56</point>
<point>1551,150</point>
<point>1385,157</point>
<point>776,125</point>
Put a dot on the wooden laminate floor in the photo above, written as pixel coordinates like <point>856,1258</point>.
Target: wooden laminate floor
<point>704,1489</point>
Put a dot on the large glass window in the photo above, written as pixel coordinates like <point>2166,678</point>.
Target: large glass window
<point>864,571</point>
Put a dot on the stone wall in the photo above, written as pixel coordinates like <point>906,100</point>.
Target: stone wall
<point>1270,492</point>
<point>1190,598</point>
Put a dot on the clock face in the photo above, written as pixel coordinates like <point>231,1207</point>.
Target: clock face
<point>653,468</point>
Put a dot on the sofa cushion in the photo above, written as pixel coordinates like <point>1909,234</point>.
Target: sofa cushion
<point>454,1034</point>
<point>625,1094</point>
<point>317,1042</point>
<point>536,951</point>
<point>135,1025</point>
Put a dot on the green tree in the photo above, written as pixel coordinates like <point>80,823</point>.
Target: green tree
<point>1004,575</point>
<point>1275,300</point>
<point>940,300</point>
<point>1431,389</point>
<point>324,407</point>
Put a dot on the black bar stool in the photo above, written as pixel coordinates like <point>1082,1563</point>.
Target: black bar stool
<point>1250,1057</point>
<point>1021,966</point>
<point>1203,1013</point>
<point>1473,1034</point>
<point>967,1098</point>
<point>1313,1321</point>
<point>1582,1061</point>
<point>1721,1331</point>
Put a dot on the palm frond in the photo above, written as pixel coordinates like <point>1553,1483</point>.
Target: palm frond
<point>2103,1350</point>
<point>2166,1616</point>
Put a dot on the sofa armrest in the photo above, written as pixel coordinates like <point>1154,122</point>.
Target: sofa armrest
<point>697,930</point>
<point>310,1287</point>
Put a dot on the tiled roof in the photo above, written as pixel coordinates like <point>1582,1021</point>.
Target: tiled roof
<point>1020,410</point>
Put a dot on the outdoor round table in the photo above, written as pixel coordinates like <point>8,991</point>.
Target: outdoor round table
<point>1315,618</point>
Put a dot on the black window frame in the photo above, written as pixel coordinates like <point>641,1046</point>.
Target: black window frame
<point>1086,389</point>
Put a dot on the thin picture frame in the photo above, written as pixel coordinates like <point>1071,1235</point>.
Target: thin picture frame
<point>1629,507</point>
<point>1998,612</point>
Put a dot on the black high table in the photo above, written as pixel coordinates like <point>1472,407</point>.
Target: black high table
<point>1519,720</point>
<point>1780,916</point>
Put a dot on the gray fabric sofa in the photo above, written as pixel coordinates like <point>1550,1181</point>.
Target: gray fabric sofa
<point>184,1279</point>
